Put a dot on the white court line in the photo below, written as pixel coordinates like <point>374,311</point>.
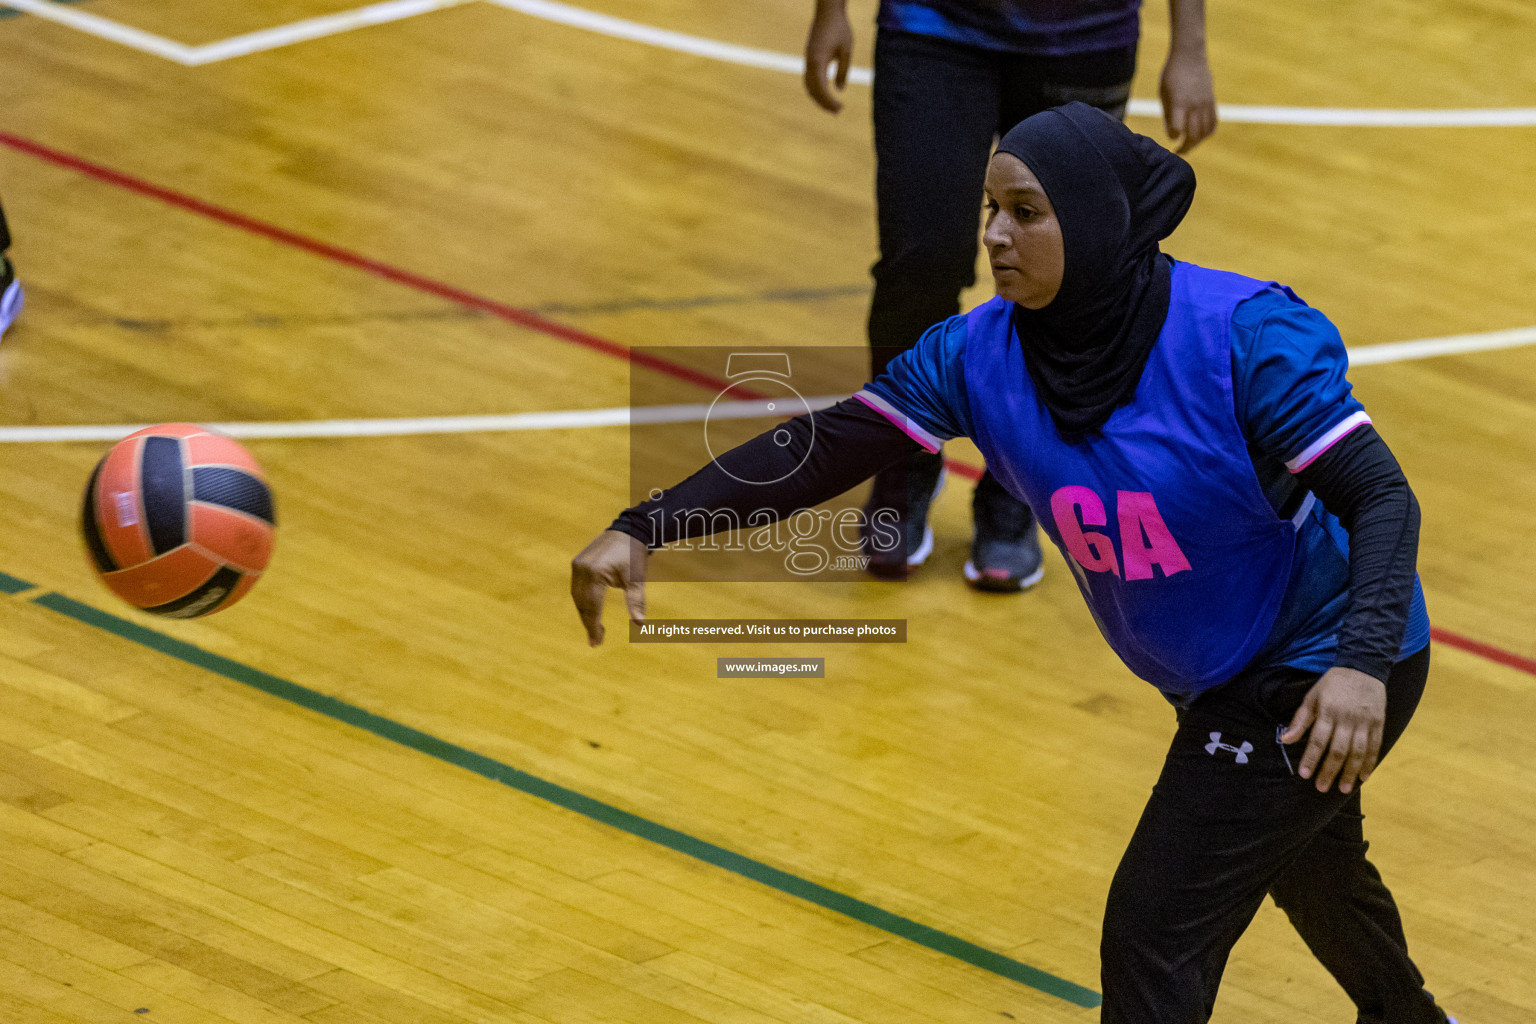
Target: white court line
<point>711,49</point>
<point>1454,344</point>
<point>1357,117</point>
<point>102,28</point>
<point>680,42</point>
<point>1365,117</point>
<point>622,416</point>
<point>1363,355</point>
<point>314,28</point>
<point>235,46</point>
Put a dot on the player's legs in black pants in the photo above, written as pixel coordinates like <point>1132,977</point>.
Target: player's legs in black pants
<point>1228,822</point>
<point>1337,901</point>
<point>938,108</point>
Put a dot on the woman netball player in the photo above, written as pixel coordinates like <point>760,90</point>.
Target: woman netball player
<point>1245,540</point>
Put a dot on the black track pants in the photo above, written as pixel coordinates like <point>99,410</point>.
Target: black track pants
<point>938,107</point>
<point>1228,822</point>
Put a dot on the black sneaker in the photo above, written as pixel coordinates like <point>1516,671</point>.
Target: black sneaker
<point>10,294</point>
<point>908,488</point>
<point>1005,552</point>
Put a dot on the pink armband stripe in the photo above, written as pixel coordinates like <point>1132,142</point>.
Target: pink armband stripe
<point>1328,440</point>
<point>900,420</point>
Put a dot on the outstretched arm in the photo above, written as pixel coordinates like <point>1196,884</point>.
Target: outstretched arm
<point>920,401</point>
<point>850,443</point>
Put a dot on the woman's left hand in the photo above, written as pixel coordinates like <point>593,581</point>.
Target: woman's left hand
<point>1189,98</point>
<point>1345,710</point>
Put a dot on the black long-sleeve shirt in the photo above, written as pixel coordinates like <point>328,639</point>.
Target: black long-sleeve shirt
<point>1358,480</point>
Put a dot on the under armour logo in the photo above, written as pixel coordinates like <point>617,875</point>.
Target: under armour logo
<point>1242,752</point>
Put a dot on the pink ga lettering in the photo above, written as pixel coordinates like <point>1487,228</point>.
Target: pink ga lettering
<point>1144,537</point>
<point>1092,551</point>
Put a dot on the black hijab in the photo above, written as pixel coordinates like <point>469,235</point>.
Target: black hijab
<point>1116,195</point>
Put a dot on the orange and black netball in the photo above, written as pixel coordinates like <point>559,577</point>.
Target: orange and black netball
<point>178,520</point>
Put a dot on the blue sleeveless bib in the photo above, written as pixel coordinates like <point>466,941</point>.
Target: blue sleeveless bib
<point>1181,559</point>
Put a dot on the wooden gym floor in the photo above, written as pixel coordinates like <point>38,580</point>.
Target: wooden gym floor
<point>355,226</point>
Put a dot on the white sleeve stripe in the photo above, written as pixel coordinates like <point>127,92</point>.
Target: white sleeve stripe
<point>1328,440</point>
<point>900,420</point>
<point>1305,510</point>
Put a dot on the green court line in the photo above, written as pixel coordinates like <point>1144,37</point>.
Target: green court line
<point>569,799</point>
<point>11,585</point>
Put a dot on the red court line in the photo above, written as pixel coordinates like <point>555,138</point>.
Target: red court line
<point>1492,653</point>
<point>522,317</point>
<point>501,310</point>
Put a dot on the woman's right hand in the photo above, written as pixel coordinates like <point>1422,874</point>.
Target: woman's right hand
<point>613,559</point>
<point>831,39</point>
